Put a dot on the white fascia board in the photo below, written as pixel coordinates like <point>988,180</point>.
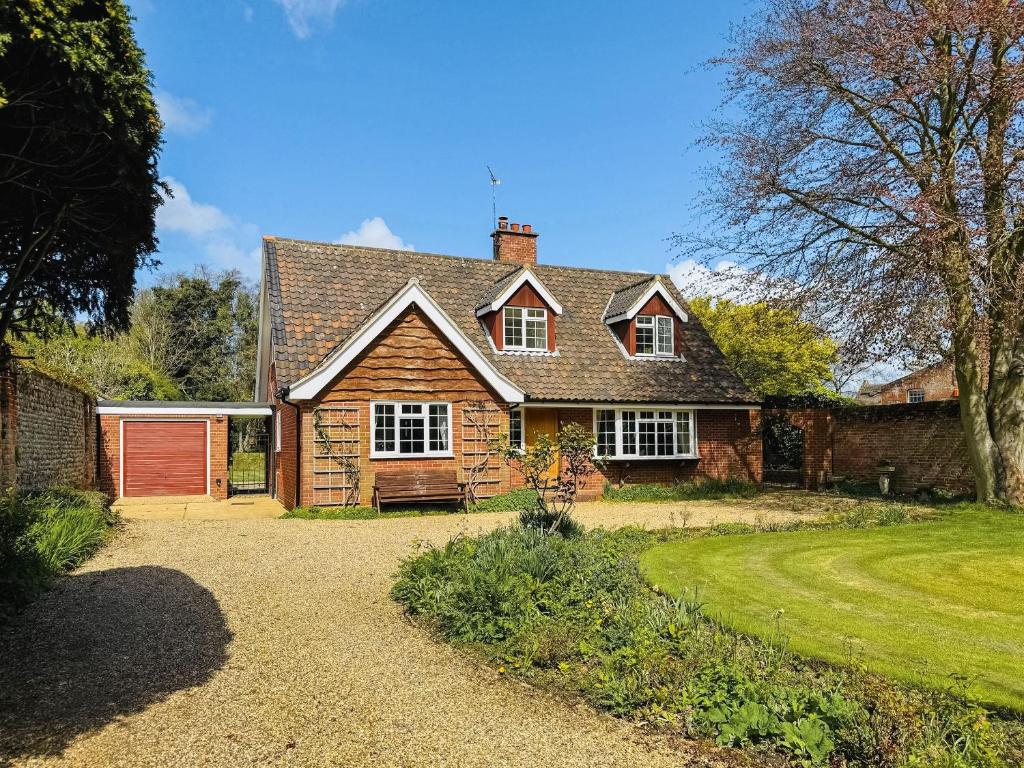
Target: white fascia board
<point>125,410</point>
<point>311,385</point>
<point>526,277</point>
<point>263,338</point>
<point>656,287</point>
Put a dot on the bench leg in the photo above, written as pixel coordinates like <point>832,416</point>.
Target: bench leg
<point>376,501</point>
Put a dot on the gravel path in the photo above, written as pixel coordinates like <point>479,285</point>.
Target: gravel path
<point>274,642</point>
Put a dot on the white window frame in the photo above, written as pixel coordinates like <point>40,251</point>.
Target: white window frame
<point>621,456</point>
<point>277,431</point>
<point>522,328</point>
<point>910,395</point>
<point>519,444</point>
<point>425,416</point>
<point>655,321</point>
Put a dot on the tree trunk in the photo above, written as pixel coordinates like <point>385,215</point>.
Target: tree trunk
<point>1006,408</point>
<point>981,448</point>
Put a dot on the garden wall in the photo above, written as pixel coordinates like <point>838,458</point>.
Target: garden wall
<point>924,441</point>
<point>47,431</point>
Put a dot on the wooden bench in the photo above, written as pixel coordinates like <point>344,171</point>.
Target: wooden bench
<point>412,485</point>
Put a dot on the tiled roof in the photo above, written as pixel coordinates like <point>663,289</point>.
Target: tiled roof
<point>319,294</point>
<point>495,290</point>
<point>625,298</point>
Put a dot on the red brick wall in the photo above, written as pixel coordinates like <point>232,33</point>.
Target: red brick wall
<point>109,466</point>
<point>284,460</point>
<point>924,442</point>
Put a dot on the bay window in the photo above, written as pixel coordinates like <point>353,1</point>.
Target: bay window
<point>645,434</point>
<point>654,335</point>
<point>525,328</point>
<point>411,429</point>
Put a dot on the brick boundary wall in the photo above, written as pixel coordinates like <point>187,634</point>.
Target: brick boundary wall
<point>924,441</point>
<point>47,432</point>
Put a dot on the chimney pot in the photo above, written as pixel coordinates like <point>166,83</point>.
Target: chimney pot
<point>503,222</point>
<point>527,227</point>
<point>515,227</point>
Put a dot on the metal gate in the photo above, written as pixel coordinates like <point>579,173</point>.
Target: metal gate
<point>783,446</point>
<point>249,455</point>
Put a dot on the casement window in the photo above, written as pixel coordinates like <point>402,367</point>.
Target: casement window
<point>645,434</point>
<point>915,396</point>
<point>411,429</point>
<point>654,335</point>
<point>525,328</point>
<point>515,428</point>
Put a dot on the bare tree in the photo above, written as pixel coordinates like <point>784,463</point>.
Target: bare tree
<point>872,156</point>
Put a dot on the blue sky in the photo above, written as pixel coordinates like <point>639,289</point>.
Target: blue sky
<point>373,120</point>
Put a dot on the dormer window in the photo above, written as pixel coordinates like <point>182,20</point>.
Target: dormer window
<point>525,328</point>
<point>654,335</point>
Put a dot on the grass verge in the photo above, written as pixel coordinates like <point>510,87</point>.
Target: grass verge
<point>577,613</point>
<point>45,535</point>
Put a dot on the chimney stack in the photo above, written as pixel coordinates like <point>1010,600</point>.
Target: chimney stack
<point>514,244</point>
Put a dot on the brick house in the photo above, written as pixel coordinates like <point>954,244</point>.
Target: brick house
<point>377,360</point>
<point>933,382</point>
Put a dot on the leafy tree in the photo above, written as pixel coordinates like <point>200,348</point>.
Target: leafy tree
<point>770,348</point>
<point>99,364</point>
<point>872,161</point>
<point>217,315</point>
<point>79,138</point>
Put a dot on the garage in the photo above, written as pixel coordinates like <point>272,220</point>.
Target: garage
<point>165,458</point>
<point>153,448</point>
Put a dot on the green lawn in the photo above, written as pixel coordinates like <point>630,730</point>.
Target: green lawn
<point>919,602</point>
<point>248,467</point>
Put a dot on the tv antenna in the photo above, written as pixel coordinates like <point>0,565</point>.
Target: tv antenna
<point>495,181</point>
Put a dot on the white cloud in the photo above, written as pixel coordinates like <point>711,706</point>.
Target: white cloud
<point>224,242</point>
<point>303,15</point>
<point>376,234</point>
<point>182,116</point>
<point>180,213</point>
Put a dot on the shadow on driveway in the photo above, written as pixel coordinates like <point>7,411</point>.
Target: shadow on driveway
<point>103,645</point>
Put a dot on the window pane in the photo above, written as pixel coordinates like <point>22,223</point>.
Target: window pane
<point>384,427</point>
<point>629,433</point>
<point>410,435</point>
<point>439,427</point>
<point>536,329</point>
<point>513,327</point>
<point>666,439</point>
<point>646,438</point>
<point>515,428</point>
<point>606,433</point>
<point>916,396</point>
<point>683,445</point>
<point>645,335</point>
<point>664,335</point>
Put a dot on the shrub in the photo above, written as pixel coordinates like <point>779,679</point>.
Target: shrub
<point>44,535</point>
<point>695,490</point>
<point>578,611</point>
<point>513,501</point>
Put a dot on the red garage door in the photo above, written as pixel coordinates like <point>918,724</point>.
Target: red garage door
<point>164,458</point>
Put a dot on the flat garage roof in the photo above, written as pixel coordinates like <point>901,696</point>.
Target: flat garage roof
<point>190,407</point>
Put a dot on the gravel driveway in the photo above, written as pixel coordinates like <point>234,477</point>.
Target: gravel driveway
<point>259,642</point>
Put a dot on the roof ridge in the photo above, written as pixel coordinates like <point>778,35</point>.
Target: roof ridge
<point>638,282</point>
<point>650,275</point>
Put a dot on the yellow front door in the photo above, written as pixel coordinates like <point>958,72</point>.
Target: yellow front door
<point>540,421</point>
